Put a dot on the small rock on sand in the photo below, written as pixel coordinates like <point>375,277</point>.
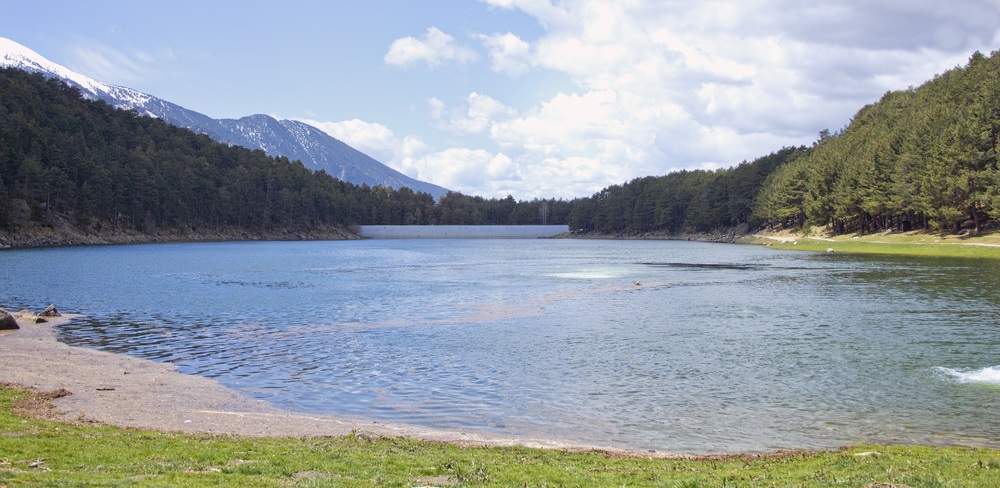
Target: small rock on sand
<point>50,311</point>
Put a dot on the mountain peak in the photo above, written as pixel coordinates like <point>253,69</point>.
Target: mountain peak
<point>11,49</point>
<point>16,55</point>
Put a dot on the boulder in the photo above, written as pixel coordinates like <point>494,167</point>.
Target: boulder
<point>50,311</point>
<point>29,316</point>
<point>7,321</point>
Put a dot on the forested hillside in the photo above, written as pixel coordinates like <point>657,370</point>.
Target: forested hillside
<point>922,158</point>
<point>105,170</point>
<point>686,201</point>
<point>61,155</point>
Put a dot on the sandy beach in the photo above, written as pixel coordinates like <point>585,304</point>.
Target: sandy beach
<point>119,390</point>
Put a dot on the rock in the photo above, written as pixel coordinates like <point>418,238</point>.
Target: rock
<point>7,321</point>
<point>829,249</point>
<point>50,311</point>
<point>29,316</point>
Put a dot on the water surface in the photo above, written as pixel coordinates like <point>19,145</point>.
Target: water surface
<point>673,346</point>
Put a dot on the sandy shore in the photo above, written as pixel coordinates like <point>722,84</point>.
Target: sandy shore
<point>124,391</point>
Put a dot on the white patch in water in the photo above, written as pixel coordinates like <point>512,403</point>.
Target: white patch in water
<point>989,375</point>
<point>589,274</point>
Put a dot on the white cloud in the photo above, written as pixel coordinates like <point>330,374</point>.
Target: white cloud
<point>567,124</point>
<point>663,86</point>
<point>467,170</point>
<point>373,139</point>
<point>434,49</point>
<point>477,115</point>
<point>509,53</point>
<point>462,169</point>
<point>436,106</point>
<point>111,65</point>
<point>667,86</point>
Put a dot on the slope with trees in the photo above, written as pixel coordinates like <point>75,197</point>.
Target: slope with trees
<point>922,158</point>
<point>681,202</point>
<point>108,170</point>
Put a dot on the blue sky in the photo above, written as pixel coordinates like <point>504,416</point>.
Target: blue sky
<point>533,98</point>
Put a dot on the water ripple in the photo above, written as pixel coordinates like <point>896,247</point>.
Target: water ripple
<point>661,345</point>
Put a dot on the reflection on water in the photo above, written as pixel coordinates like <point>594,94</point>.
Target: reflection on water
<point>674,346</point>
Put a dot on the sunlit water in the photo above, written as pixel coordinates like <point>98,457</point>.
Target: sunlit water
<point>673,346</point>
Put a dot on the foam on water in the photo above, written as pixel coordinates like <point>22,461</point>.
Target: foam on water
<point>591,273</point>
<point>989,375</point>
<point>584,275</point>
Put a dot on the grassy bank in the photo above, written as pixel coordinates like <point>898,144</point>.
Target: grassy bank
<point>43,453</point>
<point>909,244</point>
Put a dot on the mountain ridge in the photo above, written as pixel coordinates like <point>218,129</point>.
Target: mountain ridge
<point>292,139</point>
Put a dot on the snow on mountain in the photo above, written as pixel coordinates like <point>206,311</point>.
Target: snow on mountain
<point>18,56</point>
<point>291,139</point>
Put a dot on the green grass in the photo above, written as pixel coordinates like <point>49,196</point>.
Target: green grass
<point>908,244</point>
<point>42,453</point>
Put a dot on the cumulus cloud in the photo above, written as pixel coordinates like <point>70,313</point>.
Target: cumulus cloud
<point>509,53</point>
<point>462,169</point>
<point>433,49</point>
<point>373,139</point>
<point>476,116</point>
<point>663,86</point>
<point>667,86</point>
<point>466,168</point>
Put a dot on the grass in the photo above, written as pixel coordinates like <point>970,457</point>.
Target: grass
<point>909,244</point>
<point>44,453</point>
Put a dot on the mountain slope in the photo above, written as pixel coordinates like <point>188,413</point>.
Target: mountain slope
<point>294,140</point>
<point>921,158</point>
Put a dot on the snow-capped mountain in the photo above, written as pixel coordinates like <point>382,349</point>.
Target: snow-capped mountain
<point>294,140</point>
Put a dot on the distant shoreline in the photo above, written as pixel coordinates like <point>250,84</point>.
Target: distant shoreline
<point>731,236</point>
<point>64,234</point>
<point>459,231</point>
<point>914,243</point>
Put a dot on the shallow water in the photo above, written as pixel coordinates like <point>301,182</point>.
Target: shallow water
<point>717,348</point>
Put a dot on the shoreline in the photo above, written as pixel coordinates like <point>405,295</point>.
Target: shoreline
<point>124,391</point>
<point>735,235</point>
<point>62,233</point>
<point>912,243</point>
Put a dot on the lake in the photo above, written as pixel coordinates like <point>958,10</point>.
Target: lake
<point>665,345</point>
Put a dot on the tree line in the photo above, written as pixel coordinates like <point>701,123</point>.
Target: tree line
<point>919,158</point>
<point>923,158</point>
<point>108,169</point>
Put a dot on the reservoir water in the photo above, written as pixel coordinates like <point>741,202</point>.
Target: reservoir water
<point>672,346</point>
